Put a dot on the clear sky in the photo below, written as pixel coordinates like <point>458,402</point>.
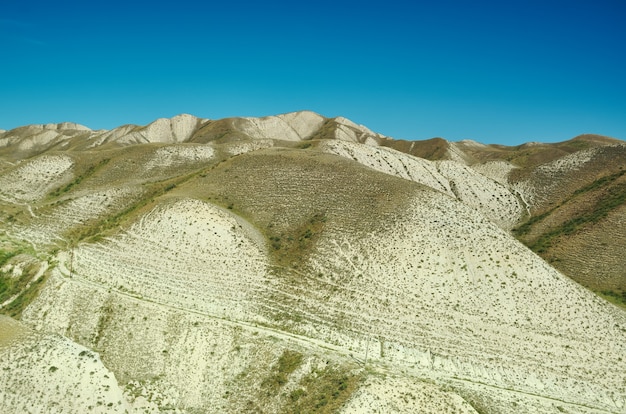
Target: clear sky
<point>493,71</point>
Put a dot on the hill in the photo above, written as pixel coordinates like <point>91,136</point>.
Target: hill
<point>296,263</point>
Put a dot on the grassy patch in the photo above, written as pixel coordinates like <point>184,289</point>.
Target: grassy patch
<point>577,145</point>
<point>616,298</point>
<point>11,285</point>
<point>612,197</point>
<point>287,363</point>
<point>96,230</point>
<point>527,226</point>
<point>600,182</point>
<point>289,247</point>
<point>88,173</point>
<point>322,391</point>
<point>106,314</point>
<point>5,256</point>
<point>26,297</point>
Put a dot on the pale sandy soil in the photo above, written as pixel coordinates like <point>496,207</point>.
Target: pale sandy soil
<point>177,155</point>
<point>294,126</point>
<point>183,310</point>
<point>47,227</point>
<point>490,196</point>
<point>31,180</point>
<point>402,395</point>
<point>47,373</point>
<point>427,303</point>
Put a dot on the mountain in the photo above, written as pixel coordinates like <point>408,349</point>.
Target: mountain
<point>297,263</point>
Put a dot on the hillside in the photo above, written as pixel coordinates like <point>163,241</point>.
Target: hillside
<point>296,263</point>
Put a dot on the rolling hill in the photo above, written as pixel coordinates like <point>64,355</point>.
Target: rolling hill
<point>297,263</point>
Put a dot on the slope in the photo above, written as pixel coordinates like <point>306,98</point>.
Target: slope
<point>578,210</point>
<point>261,267</point>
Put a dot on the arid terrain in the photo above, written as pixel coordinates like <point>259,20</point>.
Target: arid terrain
<point>302,264</point>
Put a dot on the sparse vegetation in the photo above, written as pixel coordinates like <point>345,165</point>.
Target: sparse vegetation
<point>319,273</point>
<point>617,298</point>
<point>600,182</point>
<point>607,201</point>
<point>323,391</point>
<point>91,170</point>
<point>611,199</point>
<point>15,308</point>
<point>20,284</point>
<point>287,363</point>
<point>5,256</point>
<point>291,247</point>
<point>93,231</point>
<point>528,225</point>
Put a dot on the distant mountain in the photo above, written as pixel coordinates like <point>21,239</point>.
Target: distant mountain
<point>297,263</point>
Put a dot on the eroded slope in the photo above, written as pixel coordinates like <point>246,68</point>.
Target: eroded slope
<point>277,270</point>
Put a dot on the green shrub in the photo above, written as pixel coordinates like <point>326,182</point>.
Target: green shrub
<point>323,391</point>
<point>287,363</point>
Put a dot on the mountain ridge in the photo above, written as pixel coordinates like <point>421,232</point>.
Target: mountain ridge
<point>188,128</point>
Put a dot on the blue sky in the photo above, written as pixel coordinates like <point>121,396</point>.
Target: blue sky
<point>494,71</point>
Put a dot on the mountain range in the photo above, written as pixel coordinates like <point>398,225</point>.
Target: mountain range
<point>298,264</point>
